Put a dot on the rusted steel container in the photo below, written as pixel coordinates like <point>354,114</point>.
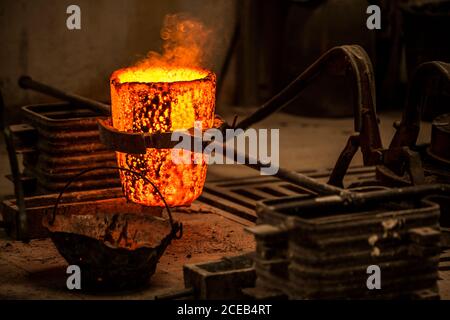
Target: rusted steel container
<point>159,100</point>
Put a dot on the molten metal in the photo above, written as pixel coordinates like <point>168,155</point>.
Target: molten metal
<point>157,99</point>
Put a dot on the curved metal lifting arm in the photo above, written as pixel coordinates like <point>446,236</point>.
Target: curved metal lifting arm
<point>367,136</point>
<point>429,77</point>
<point>350,60</point>
<point>353,61</point>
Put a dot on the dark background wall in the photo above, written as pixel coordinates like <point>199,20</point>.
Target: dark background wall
<point>277,40</point>
<point>114,34</point>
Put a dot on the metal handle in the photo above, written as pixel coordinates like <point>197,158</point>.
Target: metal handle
<point>352,60</point>
<point>21,219</point>
<point>27,82</point>
<point>176,227</point>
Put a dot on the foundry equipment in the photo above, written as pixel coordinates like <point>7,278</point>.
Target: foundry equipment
<point>405,162</point>
<point>297,234</point>
<point>115,251</point>
<point>351,61</point>
<point>311,247</point>
<point>160,100</point>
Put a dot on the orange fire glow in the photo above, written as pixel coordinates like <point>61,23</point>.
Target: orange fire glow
<point>150,99</point>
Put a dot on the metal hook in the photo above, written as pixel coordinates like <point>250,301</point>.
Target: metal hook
<point>176,227</point>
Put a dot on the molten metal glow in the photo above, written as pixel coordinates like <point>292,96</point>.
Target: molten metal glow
<point>162,99</point>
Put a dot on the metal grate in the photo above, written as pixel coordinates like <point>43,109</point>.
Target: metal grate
<point>239,196</point>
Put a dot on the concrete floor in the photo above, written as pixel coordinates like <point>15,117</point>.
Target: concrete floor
<point>36,270</point>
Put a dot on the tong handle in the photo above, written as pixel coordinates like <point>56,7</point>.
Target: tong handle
<point>27,82</point>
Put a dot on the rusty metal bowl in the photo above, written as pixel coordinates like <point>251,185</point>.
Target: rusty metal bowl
<point>114,251</point>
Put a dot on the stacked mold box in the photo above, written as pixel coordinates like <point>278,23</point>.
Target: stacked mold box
<point>326,253</point>
<point>60,141</point>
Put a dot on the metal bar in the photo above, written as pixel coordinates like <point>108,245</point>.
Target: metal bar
<point>310,183</point>
<point>339,60</point>
<point>358,199</point>
<point>291,176</point>
<point>27,82</point>
<point>21,232</point>
<point>344,161</point>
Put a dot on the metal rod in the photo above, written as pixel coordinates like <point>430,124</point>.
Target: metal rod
<point>21,219</point>
<point>301,180</point>
<point>359,199</point>
<point>280,100</point>
<point>339,60</point>
<point>293,177</point>
<point>27,82</point>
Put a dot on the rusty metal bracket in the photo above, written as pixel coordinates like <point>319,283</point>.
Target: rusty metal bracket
<point>344,160</point>
<point>432,77</point>
<point>137,143</point>
<point>367,136</point>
